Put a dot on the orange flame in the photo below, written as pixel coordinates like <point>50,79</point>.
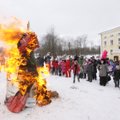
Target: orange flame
<point>20,76</point>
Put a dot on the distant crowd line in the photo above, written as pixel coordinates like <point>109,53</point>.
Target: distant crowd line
<point>83,68</point>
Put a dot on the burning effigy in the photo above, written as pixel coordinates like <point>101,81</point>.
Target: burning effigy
<point>24,78</point>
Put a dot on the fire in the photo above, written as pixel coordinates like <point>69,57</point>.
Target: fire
<point>11,33</point>
<point>2,60</point>
<point>20,65</point>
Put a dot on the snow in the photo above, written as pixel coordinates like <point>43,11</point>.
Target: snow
<point>80,101</point>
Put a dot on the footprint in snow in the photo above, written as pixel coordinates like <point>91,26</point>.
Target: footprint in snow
<point>74,87</point>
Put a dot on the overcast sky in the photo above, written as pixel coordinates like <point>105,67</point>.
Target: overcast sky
<point>68,17</point>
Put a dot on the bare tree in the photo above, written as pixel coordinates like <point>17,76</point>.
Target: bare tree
<point>80,44</point>
<point>52,43</point>
<point>84,43</point>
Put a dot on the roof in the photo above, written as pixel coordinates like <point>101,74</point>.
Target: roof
<point>107,31</point>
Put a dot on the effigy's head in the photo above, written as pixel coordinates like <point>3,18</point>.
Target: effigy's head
<point>28,40</point>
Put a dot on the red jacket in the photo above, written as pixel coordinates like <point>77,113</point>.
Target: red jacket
<point>75,68</point>
<point>67,64</point>
<point>55,64</point>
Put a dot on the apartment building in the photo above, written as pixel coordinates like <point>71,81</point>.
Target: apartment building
<point>110,41</point>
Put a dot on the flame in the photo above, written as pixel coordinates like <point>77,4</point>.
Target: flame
<point>16,64</point>
<point>11,33</point>
<point>42,96</point>
<point>41,80</point>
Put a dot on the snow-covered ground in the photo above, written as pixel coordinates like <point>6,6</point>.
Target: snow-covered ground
<point>79,101</point>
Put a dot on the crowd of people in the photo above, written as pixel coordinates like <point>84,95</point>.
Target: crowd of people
<point>84,68</point>
<point>80,68</point>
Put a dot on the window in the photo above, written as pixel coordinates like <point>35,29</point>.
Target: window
<point>111,42</point>
<point>105,37</point>
<point>111,35</point>
<point>105,43</point>
<point>111,52</point>
<point>118,40</point>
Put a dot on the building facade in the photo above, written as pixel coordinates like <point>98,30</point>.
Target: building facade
<point>110,41</point>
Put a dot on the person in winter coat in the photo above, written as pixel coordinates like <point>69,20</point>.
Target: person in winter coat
<point>90,71</point>
<point>48,60</point>
<point>59,67</point>
<point>116,76</point>
<point>76,70</point>
<point>103,72</point>
<point>85,69</point>
<point>56,67</point>
<point>63,67</point>
<point>53,66</point>
<point>68,72</point>
<point>94,69</point>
